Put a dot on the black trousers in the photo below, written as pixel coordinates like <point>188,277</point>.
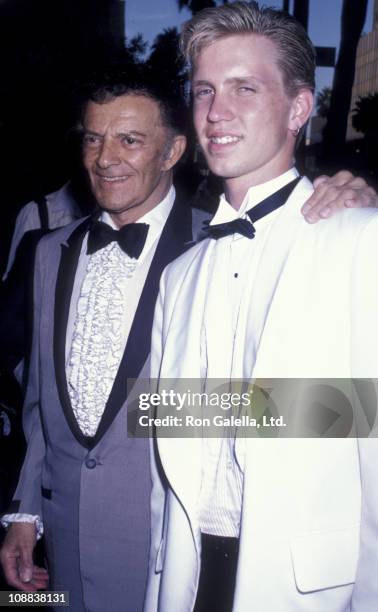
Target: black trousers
<point>219,561</point>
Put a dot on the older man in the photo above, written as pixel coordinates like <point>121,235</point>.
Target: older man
<point>264,524</point>
<point>96,283</point>
<point>95,286</point>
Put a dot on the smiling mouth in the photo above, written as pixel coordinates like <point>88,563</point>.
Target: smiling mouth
<point>113,179</point>
<point>224,140</point>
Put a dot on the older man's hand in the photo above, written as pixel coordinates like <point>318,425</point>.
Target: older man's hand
<point>16,557</point>
<point>343,190</point>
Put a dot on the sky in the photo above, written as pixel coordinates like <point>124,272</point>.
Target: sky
<point>150,17</point>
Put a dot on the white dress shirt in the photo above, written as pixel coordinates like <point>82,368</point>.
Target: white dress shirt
<point>222,479</point>
<point>123,289</point>
<point>156,219</point>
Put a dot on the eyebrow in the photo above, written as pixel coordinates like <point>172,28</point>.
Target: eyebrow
<point>244,79</point>
<point>132,132</point>
<point>197,83</point>
<point>84,130</point>
<point>231,81</point>
<point>119,134</point>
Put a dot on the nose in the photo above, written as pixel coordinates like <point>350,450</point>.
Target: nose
<point>219,109</point>
<point>108,154</point>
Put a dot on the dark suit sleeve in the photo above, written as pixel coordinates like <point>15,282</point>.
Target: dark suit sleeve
<point>16,303</point>
<point>27,498</point>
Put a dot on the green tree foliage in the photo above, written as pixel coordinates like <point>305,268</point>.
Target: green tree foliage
<point>323,101</point>
<point>365,120</point>
<point>365,114</point>
<point>166,60</point>
<point>136,48</point>
<point>352,21</point>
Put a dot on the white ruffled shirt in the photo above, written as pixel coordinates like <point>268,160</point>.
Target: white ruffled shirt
<point>105,297</point>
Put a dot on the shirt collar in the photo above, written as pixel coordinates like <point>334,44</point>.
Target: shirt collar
<point>254,195</point>
<point>158,215</point>
<point>155,218</point>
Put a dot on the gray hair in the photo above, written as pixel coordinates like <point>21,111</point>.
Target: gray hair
<point>296,53</point>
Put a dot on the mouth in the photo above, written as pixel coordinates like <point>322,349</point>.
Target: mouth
<point>113,179</point>
<point>222,143</point>
<point>224,140</point>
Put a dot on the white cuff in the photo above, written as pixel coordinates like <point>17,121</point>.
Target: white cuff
<point>6,519</point>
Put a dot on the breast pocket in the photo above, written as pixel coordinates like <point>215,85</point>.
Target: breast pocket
<point>324,560</point>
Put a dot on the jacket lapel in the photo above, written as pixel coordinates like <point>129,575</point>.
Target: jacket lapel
<point>64,286</point>
<point>174,240</point>
<point>273,288</point>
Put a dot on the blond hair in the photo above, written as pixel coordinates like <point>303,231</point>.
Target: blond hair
<point>296,53</point>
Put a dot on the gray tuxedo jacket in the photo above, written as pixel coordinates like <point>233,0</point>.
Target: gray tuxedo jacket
<point>93,494</point>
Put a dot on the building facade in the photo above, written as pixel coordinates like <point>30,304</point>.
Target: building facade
<point>366,76</point>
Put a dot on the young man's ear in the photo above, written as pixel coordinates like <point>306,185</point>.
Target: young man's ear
<point>175,151</point>
<point>301,109</point>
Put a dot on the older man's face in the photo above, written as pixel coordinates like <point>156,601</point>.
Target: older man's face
<point>125,151</point>
<point>242,113</point>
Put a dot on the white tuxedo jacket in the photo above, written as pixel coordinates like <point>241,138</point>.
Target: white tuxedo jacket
<point>309,528</point>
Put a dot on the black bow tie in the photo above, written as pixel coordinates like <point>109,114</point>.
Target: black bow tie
<point>243,226</point>
<point>131,237</point>
<point>236,226</point>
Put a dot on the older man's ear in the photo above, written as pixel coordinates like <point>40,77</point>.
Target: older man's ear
<point>343,190</point>
<point>175,151</point>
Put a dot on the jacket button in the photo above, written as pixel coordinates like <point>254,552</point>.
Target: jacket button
<point>91,463</point>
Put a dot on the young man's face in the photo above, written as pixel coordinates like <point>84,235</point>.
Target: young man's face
<point>128,152</point>
<point>242,113</point>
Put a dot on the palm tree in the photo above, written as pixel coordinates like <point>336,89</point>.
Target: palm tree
<point>365,114</point>
<point>135,49</point>
<point>323,100</point>
<point>365,120</point>
<point>166,60</point>
<point>352,21</point>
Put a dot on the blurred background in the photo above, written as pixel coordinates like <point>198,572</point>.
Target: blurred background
<point>47,48</point>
